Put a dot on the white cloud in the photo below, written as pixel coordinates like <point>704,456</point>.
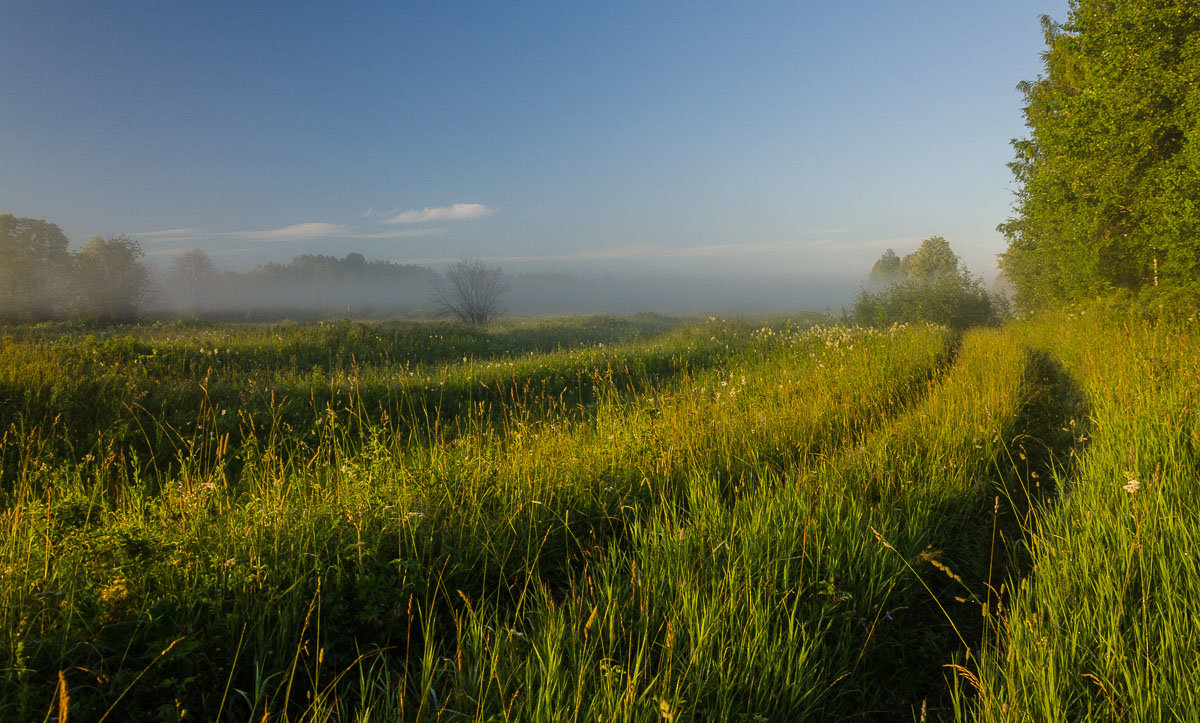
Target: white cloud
<point>178,237</point>
<point>170,234</point>
<point>295,232</point>
<point>457,212</point>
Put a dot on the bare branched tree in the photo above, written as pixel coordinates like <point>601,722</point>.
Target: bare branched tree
<point>192,276</point>
<point>470,291</point>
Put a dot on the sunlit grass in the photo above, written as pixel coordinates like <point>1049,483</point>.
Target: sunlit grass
<point>714,520</point>
<point>1104,627</point>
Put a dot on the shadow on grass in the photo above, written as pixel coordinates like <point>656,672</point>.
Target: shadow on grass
<point>161,420</point>
<point>372,609</point>
<point>559,548</point>
<point>984,539</point>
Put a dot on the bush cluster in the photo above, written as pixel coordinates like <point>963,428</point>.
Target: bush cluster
<point>954,301</point>
<point>928,285</point>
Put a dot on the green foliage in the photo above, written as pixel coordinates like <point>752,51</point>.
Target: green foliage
<point>954,301</point>
<point>111,282</point>
<point>106,282</point>
<point>1105,627</point>
<point>928,285</point>
<point>34,268</point>
<point>887,269</point>
<point>1109,177</point>
<point>323,541</point>
<point>934,259</point>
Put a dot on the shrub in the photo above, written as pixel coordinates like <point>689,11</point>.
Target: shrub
<point>957,301</point>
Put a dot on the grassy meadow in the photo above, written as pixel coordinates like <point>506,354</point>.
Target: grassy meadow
<point>601,519</point>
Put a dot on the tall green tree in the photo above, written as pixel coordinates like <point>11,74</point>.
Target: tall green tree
<point>887,269</point>
<point>1109,177</point>
<point>111,282</point>
<point>34,266</point>
<point>933,259</point>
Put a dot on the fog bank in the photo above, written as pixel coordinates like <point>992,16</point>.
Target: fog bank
<point>318,286</point>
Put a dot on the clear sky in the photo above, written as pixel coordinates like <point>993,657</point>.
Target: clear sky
<point>772,136</point>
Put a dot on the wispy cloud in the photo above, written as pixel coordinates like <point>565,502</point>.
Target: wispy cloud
<point>457,212</point>
<point>305,231</point>
<point>295,232</point>
<point>169,240</point>
<point>372,213</point>
<point>313,230</point>
<point>169,234</point>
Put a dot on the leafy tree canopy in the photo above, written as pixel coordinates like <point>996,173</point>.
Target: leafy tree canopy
<point>886,269</point>
<point>1109,177</point>
<point>111,281</point>
<point>929,284</point>
<point>34,264</point>
<point>934,259</point>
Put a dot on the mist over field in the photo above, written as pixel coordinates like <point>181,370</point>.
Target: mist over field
<point>408,292</point>
<point>678,293</point>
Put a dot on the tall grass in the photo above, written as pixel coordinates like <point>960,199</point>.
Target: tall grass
<point>1104,627</point>
<point>390,536</point>
<point>704,522</point>
<point>150,393</point>
<point>800,601</point>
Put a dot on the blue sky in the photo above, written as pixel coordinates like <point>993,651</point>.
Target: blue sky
<point>757,136</point>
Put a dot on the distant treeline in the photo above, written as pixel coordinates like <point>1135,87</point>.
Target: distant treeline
<point>108,281</point>
<point>310,285</point>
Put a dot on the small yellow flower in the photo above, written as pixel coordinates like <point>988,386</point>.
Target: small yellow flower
<point>117,601</point>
